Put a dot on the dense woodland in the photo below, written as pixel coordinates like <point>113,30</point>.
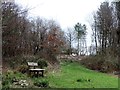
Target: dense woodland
<point>22,36</point>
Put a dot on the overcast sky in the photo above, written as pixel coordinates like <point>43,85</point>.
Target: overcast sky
<point>66,12</point>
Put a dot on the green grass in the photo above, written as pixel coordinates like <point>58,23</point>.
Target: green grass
<point>74,75</point>
<point>70,75</point>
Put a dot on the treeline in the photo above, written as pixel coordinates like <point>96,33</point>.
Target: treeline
<point>106,37</point>
<point>21,36</point>
<point>105,28</point>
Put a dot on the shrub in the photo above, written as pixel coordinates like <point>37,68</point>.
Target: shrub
<point>41,83</point>
<point>7,80</point>
<point>23,68</point>
<point>30,58</point>
<point>83,80</point>
<point>6,87</point>
<point>79,80</point>
<point>101,63</point>
<point>12,64</point>
<point>109,65</point>
<point>92,62</point>
<point>10,78</point>
<point>42,63</point>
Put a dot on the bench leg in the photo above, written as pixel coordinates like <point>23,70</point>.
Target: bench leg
<point>37,73</point>
<point>29,72</point>
<point>42,73</point>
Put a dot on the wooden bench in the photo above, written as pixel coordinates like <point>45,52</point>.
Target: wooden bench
<point>33,68</point>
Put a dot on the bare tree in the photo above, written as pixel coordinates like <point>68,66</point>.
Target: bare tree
<point>104,29</point>
<point>24,37</point>
<point>118,28</point>
<point>70,35</point>
<point>13,24</point>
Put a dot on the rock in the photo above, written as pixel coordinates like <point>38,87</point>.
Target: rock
<point>16,83</point>
<point>27,84</point>
<point>22,81</point>
<point>116,73</point>
<point>15,80</point>
<point>24,84</point>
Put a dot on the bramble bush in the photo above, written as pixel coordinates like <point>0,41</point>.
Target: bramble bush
<point>101,63</point>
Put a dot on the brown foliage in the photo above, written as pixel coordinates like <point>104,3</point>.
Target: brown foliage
<point>24,37</point>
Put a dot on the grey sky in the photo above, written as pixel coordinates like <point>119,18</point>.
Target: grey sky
<point>66,12</point>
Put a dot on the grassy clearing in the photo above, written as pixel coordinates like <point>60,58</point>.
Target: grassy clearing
<point>73,75</point>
